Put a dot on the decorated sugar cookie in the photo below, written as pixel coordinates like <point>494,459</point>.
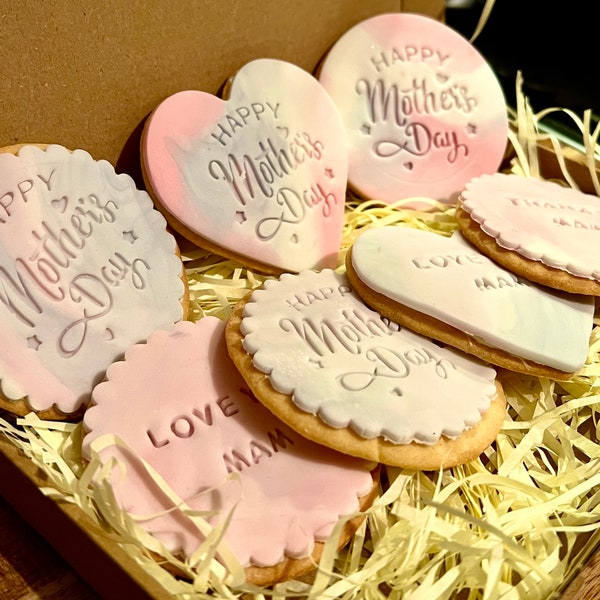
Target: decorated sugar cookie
<point>422,108</point>
<point>87,268</point>
<point>189,415</point>
<point>348,378</point>
<point>445,288</point>
<point>259,177</point>
<point>538,229</point>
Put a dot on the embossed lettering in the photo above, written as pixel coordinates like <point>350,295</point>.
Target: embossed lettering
<point>395,365</point>
<point>240,117</point>
<point>446,260</point>
<point>408,53</point>
<point>237,460</point>
<point>329,336</point>
<point>498,282</point>
<point>407,109</point>
<point>98,301</point>
<point>301,302</point>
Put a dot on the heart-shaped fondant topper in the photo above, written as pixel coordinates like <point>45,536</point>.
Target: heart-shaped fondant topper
<point>259,177</point>
<point>451,281</point>
<point>423,110</point>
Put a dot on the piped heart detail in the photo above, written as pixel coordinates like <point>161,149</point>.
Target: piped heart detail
<point>271,158</point>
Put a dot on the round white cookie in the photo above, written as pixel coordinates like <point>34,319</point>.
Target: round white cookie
<point>343,375</point>
<point>87,268</point>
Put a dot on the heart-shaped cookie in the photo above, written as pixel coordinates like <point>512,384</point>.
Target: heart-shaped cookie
<point>87,268</point>
<point>189,415</point>
<point>259,177</point>
<point>414,271</point>
<point>542,230</point>
<point>423,110</point>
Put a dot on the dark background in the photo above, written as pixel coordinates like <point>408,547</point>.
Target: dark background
<point>553,45</point>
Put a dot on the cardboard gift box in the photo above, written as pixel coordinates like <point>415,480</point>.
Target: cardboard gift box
<point>86,76</point>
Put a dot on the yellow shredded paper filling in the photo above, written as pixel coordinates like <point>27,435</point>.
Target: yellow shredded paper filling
<point>516,523</point>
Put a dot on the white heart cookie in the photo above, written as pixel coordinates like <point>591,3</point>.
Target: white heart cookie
<point>260,176</point>
<point>450,280</point>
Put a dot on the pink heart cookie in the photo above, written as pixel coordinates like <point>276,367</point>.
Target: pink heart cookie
<point>259,177</point>
<point>423,110</point>
<point>87,268</point>
<point>450,280</point>
<point>547,224</point>
<point>189,415</point>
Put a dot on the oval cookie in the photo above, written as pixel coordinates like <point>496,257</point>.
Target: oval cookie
<point>345,376</point>
<point>446,289</point>
<point>179,404</point>
<point>87,268</point>
<point>260,176</point>
<point>538,229</point>
<point>423,110</point>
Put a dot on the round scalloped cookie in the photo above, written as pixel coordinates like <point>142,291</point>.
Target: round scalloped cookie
<point>343,375</point>
<point>423,110</point>
<point>87,268</point>
<point>260,176</point>
<point>536,228</point>
<point>185,399</point>
<point>446,289</point>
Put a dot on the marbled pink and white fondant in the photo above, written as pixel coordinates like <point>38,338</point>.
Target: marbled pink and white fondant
<point>541,220</point>
<point>423,110</point>
<point>87,268</point>
<point>450,280</point>
<point>179,404</point>
<point>262,174</point>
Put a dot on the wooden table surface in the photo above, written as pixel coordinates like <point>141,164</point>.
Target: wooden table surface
<point>30,569</point>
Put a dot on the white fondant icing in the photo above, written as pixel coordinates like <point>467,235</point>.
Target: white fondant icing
<point>342,361</point>
<point>450,280</point>
<point>86,269</point>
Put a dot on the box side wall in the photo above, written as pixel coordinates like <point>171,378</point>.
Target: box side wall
<point>85,75</point>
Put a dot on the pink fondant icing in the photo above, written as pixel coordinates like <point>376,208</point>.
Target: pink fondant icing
<point>353,368</point>
<point>542,220</point>
<point>179,404</point>
<point>262,174</point>
<point>423,110</point>
<point>87,268</point>
<point>450,280</point>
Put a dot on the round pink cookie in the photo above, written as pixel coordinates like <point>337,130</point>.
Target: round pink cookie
<point>542,221</point>
<point>423,110</point>
<point>87,268</point>
<point>179,404</point>
<point>261,176</point>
